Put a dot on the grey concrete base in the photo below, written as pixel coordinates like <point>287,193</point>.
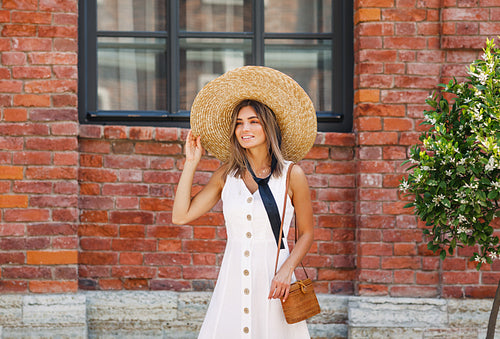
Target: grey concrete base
<point>163,314</point>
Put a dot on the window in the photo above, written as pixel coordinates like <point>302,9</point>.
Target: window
<point>142,62</point>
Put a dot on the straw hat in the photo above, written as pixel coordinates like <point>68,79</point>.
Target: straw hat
<point>214,104</point>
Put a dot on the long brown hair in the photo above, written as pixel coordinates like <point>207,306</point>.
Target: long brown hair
<point>237,159</point>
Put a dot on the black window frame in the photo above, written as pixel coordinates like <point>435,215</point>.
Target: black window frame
<point>340,119</point>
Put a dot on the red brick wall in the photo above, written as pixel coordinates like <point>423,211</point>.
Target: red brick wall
<point>403,49</point>
<point>89,207</point>
<point>128,177</point>
<point>38,146</point>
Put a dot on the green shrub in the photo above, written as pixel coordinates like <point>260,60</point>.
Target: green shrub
<point>454,178</point>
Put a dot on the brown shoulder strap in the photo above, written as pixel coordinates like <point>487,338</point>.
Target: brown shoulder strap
<point>283,215</point>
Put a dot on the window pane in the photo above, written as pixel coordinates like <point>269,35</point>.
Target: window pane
<point>309,62</point>
<point>216,15</point>
<point>302,16</point>
<point>203,60</point>
<point>131,15</point>
<point>131,74</point>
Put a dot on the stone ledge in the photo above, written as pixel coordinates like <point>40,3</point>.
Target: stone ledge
<point>166,314</point>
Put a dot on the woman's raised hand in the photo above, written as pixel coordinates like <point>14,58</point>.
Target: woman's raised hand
<point>193,150</point>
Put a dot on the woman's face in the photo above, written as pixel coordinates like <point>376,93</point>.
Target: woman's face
<point>249,131</point>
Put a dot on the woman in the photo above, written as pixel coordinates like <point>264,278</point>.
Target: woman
<point>255,143</point>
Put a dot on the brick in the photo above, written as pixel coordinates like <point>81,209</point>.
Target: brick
<point>411,291</point>
<point>11,172</point>
<point>158,148</point>
<point>97,175</point>
<point>57,32</point>
<point>90,189</point>
<point>94,216</point>
<point>401,263</point>
<point>381,110</point>
<point>367,95</point>
<point>376,249</point>
<point>404,14</point>
<point>10,86</point>
<point>32,158</point>
<point>132,231</point>
<point>66,19</point>
<point>161,177</point>
<point>378,222</point>
<point>373,290</point>
<point>32,100</point>
<point>31,72</point>
<point>13,201</point>
<point>27,215</point>
<point>63,100</point>
<point>404,277</point>
<point>459,278</point>
<point>406,28</point>
<point>13,59</point>
<point>161,259</point>
<point>66,214</point>
<point>18,30</point>
<point>464,14</point>
<point>93,244</point>
<point>115,132</point>
<point>98,258</point>
<point>375,29</point>
<point>202,246</point>
<point>47,173</point>
<point>166,134</point>
<point>381,277</point>
<point>98,230</point>
<point>133,272</point>
<point>376,80</point>
<point>95,203</point>
<point>130,217</point>
<point>24,4</point>
<point>51,258</point>
<point>49,286</point>
<point>52,58</point>
<point>130,258</point>
<point>15,114</point>
<point>174,246</point>
<point>66,6</point>
<point>378,56</point>
<point>66,159</point>
<point>54,114</point>
<point>480,292</point>
<point>126,161</point>
<point>378,138</point>
<point>366,14</point>
<point>50,86</point>
<point>376,167</point>
<point>13,286</point>
<point>169,231</point>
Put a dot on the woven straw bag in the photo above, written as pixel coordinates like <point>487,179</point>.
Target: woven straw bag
<point>301,303</point>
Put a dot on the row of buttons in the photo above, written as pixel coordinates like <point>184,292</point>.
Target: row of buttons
<point>246,274</point>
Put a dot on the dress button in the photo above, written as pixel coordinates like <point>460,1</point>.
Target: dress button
<point>246,272</point>
<point>246,330</point>
<point>246,291</point>
<point>246,310</point>
<point>249,235</point>
<point>247,253</point>
<point>249,200</point>
<point>249,217</point>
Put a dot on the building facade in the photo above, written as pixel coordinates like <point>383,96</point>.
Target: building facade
<point>86,186</point>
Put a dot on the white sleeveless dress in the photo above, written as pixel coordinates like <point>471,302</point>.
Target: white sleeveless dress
<point>240,307</point>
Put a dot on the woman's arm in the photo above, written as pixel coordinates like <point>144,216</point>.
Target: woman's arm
<point>187,209</point>
<point>301,199</point>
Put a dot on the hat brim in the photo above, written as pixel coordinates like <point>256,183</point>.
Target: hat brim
<point>295,114</point>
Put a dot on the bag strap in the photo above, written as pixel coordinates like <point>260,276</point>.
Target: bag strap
<point>283,219</point>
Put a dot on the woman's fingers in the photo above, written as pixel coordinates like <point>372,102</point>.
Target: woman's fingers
<point>279,290</point>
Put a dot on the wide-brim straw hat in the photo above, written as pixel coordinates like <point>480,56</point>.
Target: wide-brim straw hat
<point>213,106</point>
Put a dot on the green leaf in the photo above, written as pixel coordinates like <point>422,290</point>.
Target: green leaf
<point>493,195</point>
<point>442,255</point>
